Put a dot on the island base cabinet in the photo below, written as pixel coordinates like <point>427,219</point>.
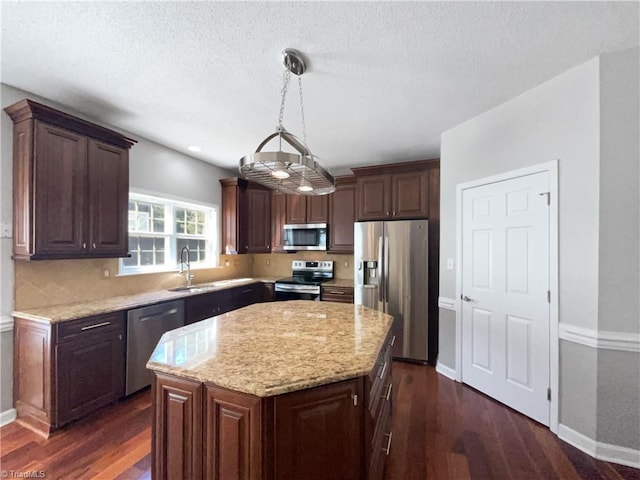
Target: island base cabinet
<point>177,429</point>
<point>204,431</point>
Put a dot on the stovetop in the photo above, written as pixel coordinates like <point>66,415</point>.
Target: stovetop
<point>303,280</point>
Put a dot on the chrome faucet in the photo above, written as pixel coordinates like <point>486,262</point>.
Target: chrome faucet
<point>187,275</point>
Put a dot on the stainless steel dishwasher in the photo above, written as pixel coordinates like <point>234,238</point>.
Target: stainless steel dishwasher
<point>145,326</point>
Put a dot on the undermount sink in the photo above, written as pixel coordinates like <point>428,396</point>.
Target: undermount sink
<point>192,288</point>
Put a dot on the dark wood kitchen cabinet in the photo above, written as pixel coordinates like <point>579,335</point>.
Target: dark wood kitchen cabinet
<point>316,433</point>
<point>342,211</point>
<point>210,304</point>
<point>71,186</point>
<point>278,220</point>
<point>303,209</point>
<point>397,191</point>
<point>67,370</point>
<point>246,216</point>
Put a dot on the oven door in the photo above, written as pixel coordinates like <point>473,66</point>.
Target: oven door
<point>285,291</point>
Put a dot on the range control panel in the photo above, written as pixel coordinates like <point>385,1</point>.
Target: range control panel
<point>307,266</point>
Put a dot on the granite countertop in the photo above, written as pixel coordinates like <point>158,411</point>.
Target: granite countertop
<point>72,311</point>
<point>268,349</point>
<point>338,282</point>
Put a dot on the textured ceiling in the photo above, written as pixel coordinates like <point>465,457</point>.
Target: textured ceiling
<point>384,79</point>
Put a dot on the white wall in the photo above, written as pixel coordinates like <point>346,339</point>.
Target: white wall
<point>153,168</point>
<point>587,118</point>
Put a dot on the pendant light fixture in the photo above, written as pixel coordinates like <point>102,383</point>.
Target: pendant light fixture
<point>294,173</point>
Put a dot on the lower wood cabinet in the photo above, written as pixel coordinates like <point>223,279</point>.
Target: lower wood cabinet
<point>336,294</point>
<point>199,307</point>
<point>65,371</point>
<point>341,430</point>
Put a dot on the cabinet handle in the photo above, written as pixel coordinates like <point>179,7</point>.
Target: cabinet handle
<point>384,369</point>
<point>388,394</point>
<point>119,337</point>
<point>354,396</point>
<point>389,436</point>
<point>84,245</point>
<point>394,214</point>
<point>89,327</point>
<point>94,245</point>
<point>393,341</point>
<point>248,290</point>
<point>387,212</point>
<point>336,292</point>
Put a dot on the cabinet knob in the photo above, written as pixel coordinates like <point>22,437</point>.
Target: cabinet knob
<point>94,245</point>
<point>387,212</point>
<point>84,245</point>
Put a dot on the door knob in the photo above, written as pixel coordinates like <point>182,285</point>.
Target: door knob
<point>467,299</point>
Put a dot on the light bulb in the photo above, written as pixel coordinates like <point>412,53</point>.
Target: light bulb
<point>280,171</point>
<point>305,186</point>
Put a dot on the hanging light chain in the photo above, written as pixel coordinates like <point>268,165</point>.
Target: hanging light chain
<point>304,126</point>
<point>285,86</point>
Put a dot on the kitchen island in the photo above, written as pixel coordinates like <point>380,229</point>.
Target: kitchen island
<point>282,390</point>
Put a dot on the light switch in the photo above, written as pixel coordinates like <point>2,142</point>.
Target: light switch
<point>6,230</point>
<point>449,263</point>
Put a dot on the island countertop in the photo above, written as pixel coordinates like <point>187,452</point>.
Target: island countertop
<point>268,349</point>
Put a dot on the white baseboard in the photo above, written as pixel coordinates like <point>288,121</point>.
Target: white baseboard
<point>602,451</point>
<point>446,371</point>
<point>7,417</point>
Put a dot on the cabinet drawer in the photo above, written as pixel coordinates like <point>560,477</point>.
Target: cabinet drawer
<point>90,325</point>
<point>337,294</point>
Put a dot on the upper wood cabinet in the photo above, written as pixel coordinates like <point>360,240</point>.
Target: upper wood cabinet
<point>307,209</point>
<point>393,192</point>
<point>342,212</point>
<point>70,186</point>
<point>246,216</point>
<point>278,220</point>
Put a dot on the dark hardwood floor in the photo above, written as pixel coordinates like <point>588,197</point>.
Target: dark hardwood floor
<point>442,430</point>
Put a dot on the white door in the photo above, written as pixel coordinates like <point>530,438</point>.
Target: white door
<point>505,283</point>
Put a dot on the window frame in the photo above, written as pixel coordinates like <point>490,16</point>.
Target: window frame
<point>171,261</point>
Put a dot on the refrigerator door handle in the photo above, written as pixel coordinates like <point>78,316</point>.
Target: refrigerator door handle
<point>386,271</point>
<point>380,270</point>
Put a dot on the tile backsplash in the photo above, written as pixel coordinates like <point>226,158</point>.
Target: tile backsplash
<point>57,282</point>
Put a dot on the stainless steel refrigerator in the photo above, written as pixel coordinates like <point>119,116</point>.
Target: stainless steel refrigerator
<point>391,261</point>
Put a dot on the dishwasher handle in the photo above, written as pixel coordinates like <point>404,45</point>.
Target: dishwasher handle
<point>171,311</point>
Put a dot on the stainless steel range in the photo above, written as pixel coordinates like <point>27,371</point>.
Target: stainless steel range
<point>305,282</point>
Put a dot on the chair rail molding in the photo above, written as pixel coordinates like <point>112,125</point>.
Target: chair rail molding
<point>607,340</point>
<point>6,323</point>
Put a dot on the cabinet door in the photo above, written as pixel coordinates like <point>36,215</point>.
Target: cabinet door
<point>296,209</point>
<point>108,199</point>
<point>203,306</point>
<point>90,371</point>
<point>259,221</point>
<point>232,429</point>
<point>319,432</point>
<point>230,218</point>
<point>60,172</point>
<point>176,428</point>
<point>342,205</point>
<point>374,192</point>
<point>318,209</point>
<point>278,220</point>
<point>410,195</point>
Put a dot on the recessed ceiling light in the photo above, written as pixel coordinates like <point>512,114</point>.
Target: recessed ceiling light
<point>194,148</point>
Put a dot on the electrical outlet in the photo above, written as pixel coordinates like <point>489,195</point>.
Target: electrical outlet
<point>106,273</point>
<point>449,263</point>
<point>346,264</point>
<point>5,231</point>
<point>226,263</point>
<point>268,262</point>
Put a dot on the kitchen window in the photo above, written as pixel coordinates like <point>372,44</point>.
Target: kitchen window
<point>158,230</point>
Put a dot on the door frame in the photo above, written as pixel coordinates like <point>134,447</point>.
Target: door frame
<point>552,169</point>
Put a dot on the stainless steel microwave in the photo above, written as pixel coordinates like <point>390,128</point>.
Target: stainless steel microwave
<point>310,236</point>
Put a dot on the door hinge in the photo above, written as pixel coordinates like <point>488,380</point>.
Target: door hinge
<point>548,194</point>
<point>549,394</point>
<point>548,296</point>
